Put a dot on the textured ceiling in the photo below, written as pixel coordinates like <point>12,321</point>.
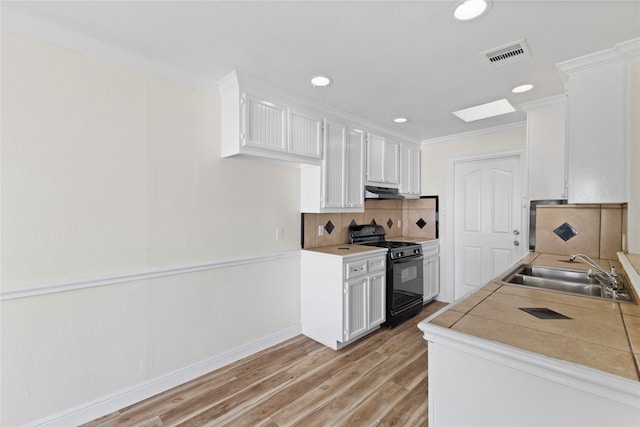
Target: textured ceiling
<point>387,58</point>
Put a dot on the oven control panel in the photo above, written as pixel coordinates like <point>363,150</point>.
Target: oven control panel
<point>405,253</point>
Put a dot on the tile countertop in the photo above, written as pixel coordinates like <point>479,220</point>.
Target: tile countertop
<point>346,249</point>
<point>601,334</point>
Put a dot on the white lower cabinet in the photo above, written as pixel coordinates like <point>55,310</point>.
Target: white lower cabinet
<point>431,272</point>
<point>507,386</point>
<point>342,297</point>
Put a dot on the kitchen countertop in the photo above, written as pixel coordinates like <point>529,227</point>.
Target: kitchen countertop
<point>601,334</point>
<point>346,249</point>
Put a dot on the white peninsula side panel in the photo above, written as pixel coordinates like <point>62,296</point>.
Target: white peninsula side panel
<point>476,382</point>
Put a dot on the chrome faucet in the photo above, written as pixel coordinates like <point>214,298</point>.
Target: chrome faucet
<point>611,277</point>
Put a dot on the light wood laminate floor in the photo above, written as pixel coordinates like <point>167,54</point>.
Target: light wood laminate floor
<point>380,380</point>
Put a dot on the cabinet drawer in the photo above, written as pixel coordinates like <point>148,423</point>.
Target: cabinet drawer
<point>430,250</point>
<point>355,269</point>
<point>376,264</point>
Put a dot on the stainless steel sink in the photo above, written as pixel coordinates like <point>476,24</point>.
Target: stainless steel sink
<point>577,282</point>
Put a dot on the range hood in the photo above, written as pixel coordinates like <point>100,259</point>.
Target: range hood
<point>372,192</point>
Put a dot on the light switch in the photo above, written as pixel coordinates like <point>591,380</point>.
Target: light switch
<point>320,230</point>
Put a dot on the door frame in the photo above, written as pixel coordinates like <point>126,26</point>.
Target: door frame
<point>449,213</point>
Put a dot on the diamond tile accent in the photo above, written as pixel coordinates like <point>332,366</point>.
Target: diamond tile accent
<point>329,226</point>
<point>421,223</point>
<point>389,224</point>
<point>353,222</point>
<point>544,313</point>
<point>373,222</point>
<point>566,231</point>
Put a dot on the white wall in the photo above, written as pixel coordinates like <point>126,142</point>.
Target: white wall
<point>436,158</point>
<point>633,223</point>
<point>109,172</point>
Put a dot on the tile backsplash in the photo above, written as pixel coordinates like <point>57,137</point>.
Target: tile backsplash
<point>413,217</point>
<point>600,230</point>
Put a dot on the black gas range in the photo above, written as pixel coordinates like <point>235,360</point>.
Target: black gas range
<point>404,272</point>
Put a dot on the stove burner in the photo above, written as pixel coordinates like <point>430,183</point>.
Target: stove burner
<point>374,235</point>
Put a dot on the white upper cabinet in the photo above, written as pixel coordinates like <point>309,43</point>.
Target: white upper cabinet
<point>410,170</point>
<point>354,183</point>
<point>334,166</point>
<point>597,100</point>
<point>305,134</point>
<point>258,121</point>
<point>546,148</point>
<point>261,120</point>
<point>263,124</point>
<point>383,161</point>
<point>338,184</point>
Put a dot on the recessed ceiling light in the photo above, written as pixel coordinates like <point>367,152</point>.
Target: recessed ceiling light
<point>490,109</point>
<point>401,120</point>
<point>320,81</point>
<point>466,10</point>
<point>522,88</point>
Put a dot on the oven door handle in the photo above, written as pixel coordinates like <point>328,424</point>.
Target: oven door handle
<point>407,259</point>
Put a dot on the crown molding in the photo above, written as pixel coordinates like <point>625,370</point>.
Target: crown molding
<point>619,52</point>
<point>40,30</point>
<point>542,103</point>
<point>485,131</point>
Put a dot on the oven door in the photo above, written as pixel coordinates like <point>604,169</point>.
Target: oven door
<point>407,281</point>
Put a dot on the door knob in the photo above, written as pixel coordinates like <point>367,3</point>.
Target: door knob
<point>516,243</point>
<point>516,232</point>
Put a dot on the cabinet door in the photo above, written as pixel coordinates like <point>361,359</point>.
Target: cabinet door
<point>263,124</point>
<point>355,305</point>
<point>415,171</point>
<point>431,278</point>
<point>305,134</point>
<point>333,165</point>
<point>597,125</point>
<point>391,162</point>
<point>354,182</point>
<point>377,307</point>
<point>375,158</point>
<point>409,169</point>
<point>546,150</point>
<point>405,169</point>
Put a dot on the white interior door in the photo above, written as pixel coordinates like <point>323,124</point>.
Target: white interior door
<point>488,220</point>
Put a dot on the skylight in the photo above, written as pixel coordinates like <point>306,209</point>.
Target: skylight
<point>490,109</point>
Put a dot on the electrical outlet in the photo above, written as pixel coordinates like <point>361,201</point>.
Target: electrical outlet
<point>279,233</point>
<point>399,223</point>
<point>320,230</point>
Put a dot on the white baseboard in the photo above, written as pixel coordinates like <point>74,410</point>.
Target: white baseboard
<point>105,405</point>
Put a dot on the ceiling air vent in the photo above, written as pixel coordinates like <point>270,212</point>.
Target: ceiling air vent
<point>508,54</point>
